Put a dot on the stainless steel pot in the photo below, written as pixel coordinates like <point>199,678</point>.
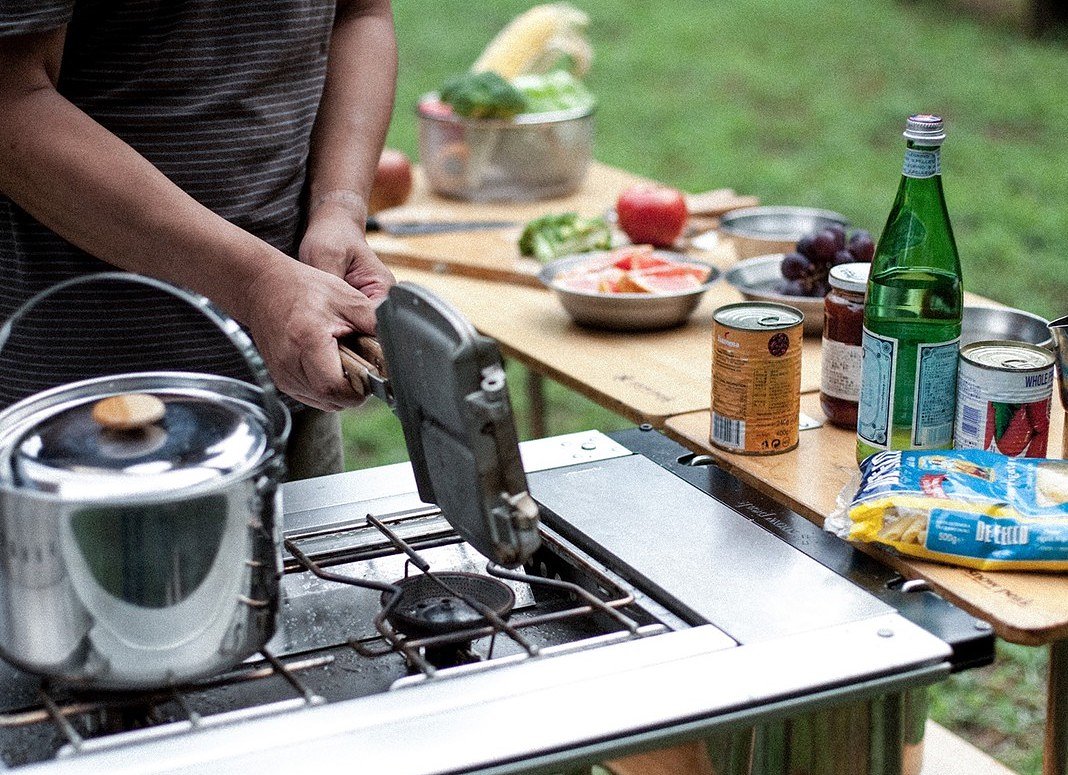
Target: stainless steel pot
<point>1059,329</point>
<point>145,555</point>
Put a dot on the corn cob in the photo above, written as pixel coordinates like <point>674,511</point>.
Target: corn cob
<point>520,47</point>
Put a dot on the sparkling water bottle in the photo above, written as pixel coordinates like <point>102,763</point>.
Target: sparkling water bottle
<point>913,310</point>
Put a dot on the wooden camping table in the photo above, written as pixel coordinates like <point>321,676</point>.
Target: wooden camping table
<point>663,379</point>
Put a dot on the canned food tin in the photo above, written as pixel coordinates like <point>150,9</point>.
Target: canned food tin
<point>1004,391</point>
<point>756,377</point>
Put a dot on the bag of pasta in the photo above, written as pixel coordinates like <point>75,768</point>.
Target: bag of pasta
<point>965,507</point>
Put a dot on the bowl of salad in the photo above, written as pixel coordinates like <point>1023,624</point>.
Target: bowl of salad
<point>631,288</point>
<point>483,138</point>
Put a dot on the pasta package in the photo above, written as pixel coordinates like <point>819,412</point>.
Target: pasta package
<point>964,507</point>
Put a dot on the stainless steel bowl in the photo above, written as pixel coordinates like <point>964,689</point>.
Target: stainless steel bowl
<point>757,231</point>
<point>529,157</point>
<point>756,279</point>
<point>625,311</point>
<point>987,323</point>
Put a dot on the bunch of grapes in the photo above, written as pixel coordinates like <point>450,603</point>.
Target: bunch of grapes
<point>805,270</point>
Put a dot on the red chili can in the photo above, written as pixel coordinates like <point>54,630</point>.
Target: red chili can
<point>756,377</point>
<point>1004,395</point>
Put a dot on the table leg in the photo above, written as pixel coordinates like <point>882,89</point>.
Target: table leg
<point>1055,756</point>
<point>536,403</point>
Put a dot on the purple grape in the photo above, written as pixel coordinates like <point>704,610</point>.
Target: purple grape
<point>791,288</point>
<point>821,288</point>
<point>824,246</point>
<point>843,257</point>
<point>838,230</point>
<point>794,266</point>
<point>861,246</point>
<point>804,245</point>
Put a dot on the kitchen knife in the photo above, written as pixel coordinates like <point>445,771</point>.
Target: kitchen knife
<point>418,228</point>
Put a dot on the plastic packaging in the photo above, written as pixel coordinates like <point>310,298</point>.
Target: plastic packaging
<point>964,507</point>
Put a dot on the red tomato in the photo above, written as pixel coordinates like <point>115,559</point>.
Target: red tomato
<point>393,180</point>
<point>651,214</point>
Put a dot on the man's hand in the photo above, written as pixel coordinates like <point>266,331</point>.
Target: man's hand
<point>296,314</point>
<point>335,243</point>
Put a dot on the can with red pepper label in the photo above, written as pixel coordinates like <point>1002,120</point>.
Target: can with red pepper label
<point>756,377</point>
<point>1004,393</point>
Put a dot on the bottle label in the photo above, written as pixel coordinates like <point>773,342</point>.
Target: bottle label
<point>878,370</point>
<point>921,164</point>
<point>840,369</point>
<point>935,398</point>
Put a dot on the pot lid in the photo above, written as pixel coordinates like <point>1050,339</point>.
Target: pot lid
<point>451,396</point>
<point>127,444</point>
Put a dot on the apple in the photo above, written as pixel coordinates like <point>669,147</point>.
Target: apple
<point>393,180</point>
<point>652,214</point>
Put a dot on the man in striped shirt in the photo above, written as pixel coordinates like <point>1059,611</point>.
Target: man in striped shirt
<point>208,143</point>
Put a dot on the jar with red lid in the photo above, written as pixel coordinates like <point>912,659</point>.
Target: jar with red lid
<point>841,356</point>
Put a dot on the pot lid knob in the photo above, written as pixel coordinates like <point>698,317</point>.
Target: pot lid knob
<point>128,412</point>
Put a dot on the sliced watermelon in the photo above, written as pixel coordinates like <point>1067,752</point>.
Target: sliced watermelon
<point>636,257</point>
<point>699,271</point>
<point>680,279</point>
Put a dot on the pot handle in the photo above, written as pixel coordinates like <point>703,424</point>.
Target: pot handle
<point>242,342</point>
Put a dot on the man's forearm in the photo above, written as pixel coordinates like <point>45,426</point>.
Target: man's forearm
<point>98,193</point>
<point>353,117</point>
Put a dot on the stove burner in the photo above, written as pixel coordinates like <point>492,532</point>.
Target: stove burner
<point>447,602</point>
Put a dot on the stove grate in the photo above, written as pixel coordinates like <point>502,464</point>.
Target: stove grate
<point>414,649</point>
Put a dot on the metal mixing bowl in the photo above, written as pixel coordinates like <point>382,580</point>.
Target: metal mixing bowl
<point>529,157</point>
<point>758,231</point>
<point>625,311</point>
<point>989,323</point>
<point>756,279</point>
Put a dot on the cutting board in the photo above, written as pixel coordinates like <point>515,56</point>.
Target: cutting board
<point>494,254</point>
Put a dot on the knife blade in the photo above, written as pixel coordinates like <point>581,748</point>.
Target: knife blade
<point>418,228</point>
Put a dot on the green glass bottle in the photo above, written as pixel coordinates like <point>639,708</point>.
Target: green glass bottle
<point>913,310</point>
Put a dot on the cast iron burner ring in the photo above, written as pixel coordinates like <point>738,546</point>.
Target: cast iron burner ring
<point>426,609</point>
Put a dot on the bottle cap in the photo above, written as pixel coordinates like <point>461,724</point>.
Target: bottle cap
<point>925,129</point>
<point>850,277</point>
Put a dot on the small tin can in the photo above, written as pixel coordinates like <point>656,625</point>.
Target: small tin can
<point>1004,394</point>
<point>756,377</point>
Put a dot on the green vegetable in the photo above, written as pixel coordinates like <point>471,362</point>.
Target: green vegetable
<point>552,236</point>
<point>558,90</point>
<point>483,95</point>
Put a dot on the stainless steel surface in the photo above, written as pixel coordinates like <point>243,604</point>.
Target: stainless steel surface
<point>686,536</point>
<point>756,279</point>
<point>672,678</point>
<point>529,157</point>
<point>1059,329</point>
<point>756,231</point>
<point>135,568</point>
<point>623,311</point>
<point>979,324</point>
<point>208,434</point>
<point>602,698</point>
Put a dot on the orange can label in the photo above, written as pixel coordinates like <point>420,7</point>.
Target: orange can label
<point>756,378</point>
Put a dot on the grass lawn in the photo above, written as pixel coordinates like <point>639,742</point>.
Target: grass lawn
<point>803,102</point>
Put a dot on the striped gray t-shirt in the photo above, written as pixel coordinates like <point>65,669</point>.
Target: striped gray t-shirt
<point>221,96</point>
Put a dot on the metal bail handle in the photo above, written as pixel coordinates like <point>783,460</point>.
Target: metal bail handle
<point>229,327</point>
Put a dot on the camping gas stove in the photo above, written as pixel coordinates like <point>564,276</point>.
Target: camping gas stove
<point>667,602</point>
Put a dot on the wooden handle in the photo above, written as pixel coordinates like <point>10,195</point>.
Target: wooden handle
<point>361,356</point>
<point>128,412</point>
